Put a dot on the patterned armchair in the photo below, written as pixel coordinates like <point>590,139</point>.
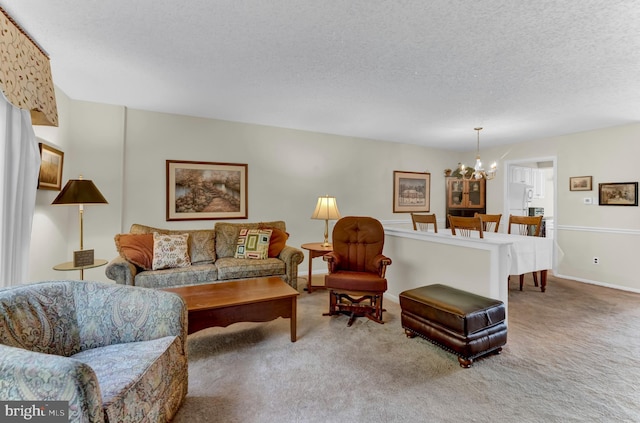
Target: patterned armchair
<point>116,353</point>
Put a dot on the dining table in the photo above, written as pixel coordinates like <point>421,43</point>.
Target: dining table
<point>527,254</point>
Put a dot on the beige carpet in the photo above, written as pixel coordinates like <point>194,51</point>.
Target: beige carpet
<point>572,356</point>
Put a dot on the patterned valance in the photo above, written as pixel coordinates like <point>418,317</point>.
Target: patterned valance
<point>25,73</point>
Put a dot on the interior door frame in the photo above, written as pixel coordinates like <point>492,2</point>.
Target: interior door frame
<point>505,201</point>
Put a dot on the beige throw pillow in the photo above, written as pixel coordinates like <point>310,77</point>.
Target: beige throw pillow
<point>170,251</point>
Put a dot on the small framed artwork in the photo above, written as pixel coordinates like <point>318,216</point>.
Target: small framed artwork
<point>206,190</point>
<point>51,161</point>
<point>581,183</point>
<point>411,191</point>
<point>618,194</point>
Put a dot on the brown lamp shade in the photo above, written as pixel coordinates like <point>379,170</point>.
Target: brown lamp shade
<point>80,191</point>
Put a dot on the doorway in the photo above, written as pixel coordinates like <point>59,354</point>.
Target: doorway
<point>531,187</point>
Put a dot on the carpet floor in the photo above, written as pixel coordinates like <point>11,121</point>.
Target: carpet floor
<point>572,355</point>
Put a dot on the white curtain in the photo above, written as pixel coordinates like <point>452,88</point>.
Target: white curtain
<point>19,167</point>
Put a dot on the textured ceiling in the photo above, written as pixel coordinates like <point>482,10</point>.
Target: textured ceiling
<point>416,71</point>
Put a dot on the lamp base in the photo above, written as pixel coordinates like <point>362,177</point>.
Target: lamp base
<point>82,258</point>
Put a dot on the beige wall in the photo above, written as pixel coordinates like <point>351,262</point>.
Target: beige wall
<point>91,137</point>
<point>124,152</point>
<point>287,170</point>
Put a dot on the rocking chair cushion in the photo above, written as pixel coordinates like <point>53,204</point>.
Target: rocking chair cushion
<point>356,281</point>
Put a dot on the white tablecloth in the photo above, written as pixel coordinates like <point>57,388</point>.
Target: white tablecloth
<point>528,253</point>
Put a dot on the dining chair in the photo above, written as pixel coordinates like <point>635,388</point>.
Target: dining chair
<point>421,222</point>
<point>527,226</point>
<point>465,226</point>
<point>490,222</point>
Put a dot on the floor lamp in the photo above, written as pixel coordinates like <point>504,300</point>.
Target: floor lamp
<point>326,209</point>
<point>80,192</point>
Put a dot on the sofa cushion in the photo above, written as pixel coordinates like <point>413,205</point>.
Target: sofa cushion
<point>226,234</point>
<point>253,244</point>
<point>170,251</point>
<point>136,249</point>
<point>235,268</point>
<point>179,276</point>
<point>137,378</point>
<point>201,241</point>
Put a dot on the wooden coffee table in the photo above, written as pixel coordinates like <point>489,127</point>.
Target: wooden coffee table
<point>250,300</point>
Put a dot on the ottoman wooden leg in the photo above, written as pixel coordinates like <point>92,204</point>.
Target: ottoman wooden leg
<point>409,334</point>
<point>465,363</point>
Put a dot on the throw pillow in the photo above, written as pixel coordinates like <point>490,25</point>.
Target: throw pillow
<point>170,251</point>
<point>278,241</point>
<point>253,243</point>
<point>202,247</point>
<point>136,249</point>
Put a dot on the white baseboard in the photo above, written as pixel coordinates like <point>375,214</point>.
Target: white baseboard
<point>592,282</point>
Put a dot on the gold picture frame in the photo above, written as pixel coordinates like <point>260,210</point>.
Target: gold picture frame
<point>411,192</point>
<point>51,163</point>
<point>206,190</point>
<point>581,183</point>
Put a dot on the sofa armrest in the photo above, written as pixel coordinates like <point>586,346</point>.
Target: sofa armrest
<point>33,376</point>
<point>121,271</point>
<point>292,257</point>
<point>110,314</point>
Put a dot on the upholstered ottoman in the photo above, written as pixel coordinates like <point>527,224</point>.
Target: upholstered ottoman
<point>463,323</point>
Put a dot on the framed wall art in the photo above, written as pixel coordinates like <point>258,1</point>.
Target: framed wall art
<point>618,194</point>
<point>51,162</point>
<point>581,183</point>
<point>411,191</point>
<point>206,190</point>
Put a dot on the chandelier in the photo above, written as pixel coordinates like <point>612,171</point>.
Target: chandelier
<point>478,171</point>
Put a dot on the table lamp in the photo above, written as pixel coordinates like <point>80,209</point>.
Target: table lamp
<point>80,192</point>
<point>326,209</point>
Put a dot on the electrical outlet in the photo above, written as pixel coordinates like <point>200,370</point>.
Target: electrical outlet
<point>596,260</point>
<point>587,200</point>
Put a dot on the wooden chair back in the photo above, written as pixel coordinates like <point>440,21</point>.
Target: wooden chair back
<point>490,222</point>
<point>526,225</point>
<point>421,222</point>
<point>465,226</point>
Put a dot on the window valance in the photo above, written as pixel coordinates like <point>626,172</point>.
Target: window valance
<point>25,73</point>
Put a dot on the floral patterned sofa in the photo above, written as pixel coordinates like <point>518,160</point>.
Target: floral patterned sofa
<point>211,256</point>
<point>116,353</point>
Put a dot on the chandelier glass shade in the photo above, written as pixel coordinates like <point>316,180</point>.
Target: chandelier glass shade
<point>477,172</point>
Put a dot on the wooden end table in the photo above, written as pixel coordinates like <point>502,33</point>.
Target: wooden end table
<point>248,300</point>
<point>316,249</point>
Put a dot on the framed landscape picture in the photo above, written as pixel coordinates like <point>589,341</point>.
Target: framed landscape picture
<point>206,190</point>
<point>618,194</point>
<point>51,161</point>
<point>411,191</point>
<point>580,183</point>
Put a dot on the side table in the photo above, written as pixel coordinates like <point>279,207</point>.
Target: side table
<point>69,266</point>
<point>316,249</point>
